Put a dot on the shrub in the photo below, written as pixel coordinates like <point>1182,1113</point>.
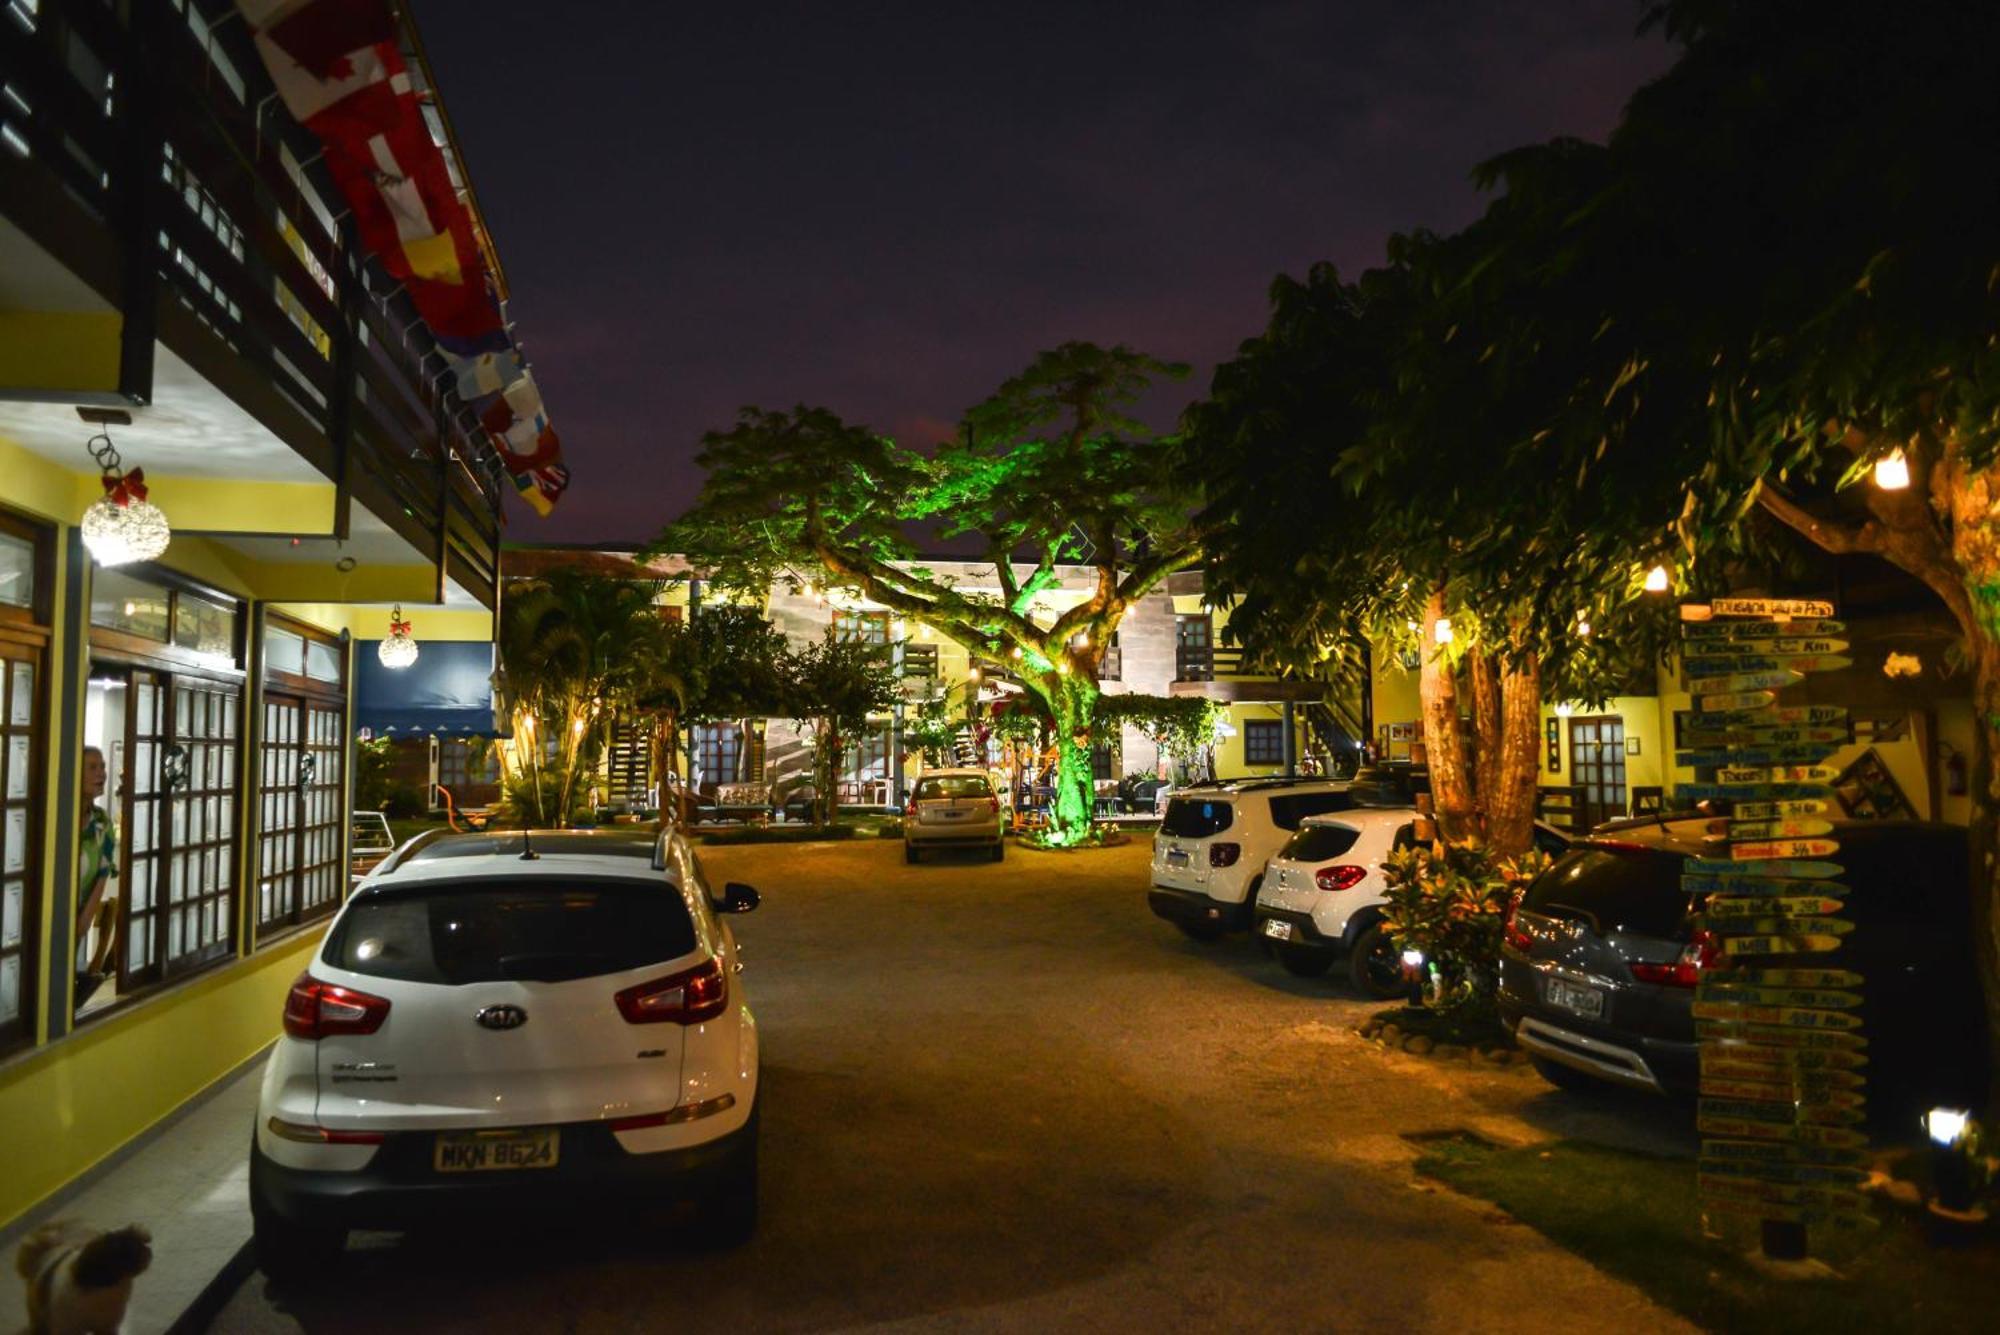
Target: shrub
<point>1449,902</point>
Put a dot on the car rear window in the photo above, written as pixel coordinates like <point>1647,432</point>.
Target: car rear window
<point>953,785</point>
<point>1196,818</point>
<point>1288,811</point>
<point>1625,890</point>
<point>547,932</point>
<point>1318,843</point>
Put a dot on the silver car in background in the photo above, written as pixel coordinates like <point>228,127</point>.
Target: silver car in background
<point>954,808</point>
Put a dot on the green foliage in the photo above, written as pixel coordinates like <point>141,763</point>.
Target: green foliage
<point>723,662</point>
<point>932,724</point>
<point>836,684</point>
<point>1449,901</point>
<point>1181,725</point>
<point>1051,469</point>
<point>519,808</point>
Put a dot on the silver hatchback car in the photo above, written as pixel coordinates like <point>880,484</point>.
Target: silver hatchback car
<point>953,808</point>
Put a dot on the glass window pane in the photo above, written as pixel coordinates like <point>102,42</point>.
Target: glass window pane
<point>205,626</point>
<point>322,661</point>
<point>284,651</point>
<point>119,601</point>
<point>17,570</point>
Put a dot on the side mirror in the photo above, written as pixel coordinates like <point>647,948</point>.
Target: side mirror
<point>739,898</point>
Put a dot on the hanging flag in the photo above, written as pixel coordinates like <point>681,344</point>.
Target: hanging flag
<point>339,69</point>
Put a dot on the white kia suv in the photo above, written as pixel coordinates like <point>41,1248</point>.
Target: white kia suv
<point>511,1022</point>
<point>1214,840</point>
<point>1323,895</point>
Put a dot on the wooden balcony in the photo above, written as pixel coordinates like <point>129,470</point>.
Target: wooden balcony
<point>144,149</point>
<point>1221,672</point>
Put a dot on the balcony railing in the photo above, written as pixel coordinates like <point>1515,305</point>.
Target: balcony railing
<point>150,155</point>
<point>1209,662</point>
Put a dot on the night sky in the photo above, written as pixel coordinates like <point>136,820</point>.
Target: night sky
<point>889,208</point>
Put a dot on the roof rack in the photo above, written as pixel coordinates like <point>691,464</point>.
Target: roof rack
<point>413,847</point>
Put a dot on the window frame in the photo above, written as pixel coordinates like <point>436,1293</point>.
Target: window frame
<point>1269,735</point>
<point>26,636</point>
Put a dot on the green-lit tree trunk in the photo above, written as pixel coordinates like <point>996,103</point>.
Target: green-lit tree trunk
<point>1072,701</point>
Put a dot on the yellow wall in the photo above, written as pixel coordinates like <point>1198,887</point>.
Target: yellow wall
<point>372,623</point>
<point>60,350</point>
<point>67,1107</point>
<point>1229,762</point>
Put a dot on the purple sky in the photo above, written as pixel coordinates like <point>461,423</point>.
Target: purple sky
<point>889,208</point>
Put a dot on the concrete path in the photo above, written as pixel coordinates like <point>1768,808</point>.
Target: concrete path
<point>1007,1098</point>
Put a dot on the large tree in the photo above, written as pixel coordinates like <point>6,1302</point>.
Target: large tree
<point>1051,470</point>
<point>835,685</point>
<point>1362,494</point>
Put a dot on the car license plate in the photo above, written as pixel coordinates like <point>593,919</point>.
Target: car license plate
<point>1277,929</point>
<point>1177,857</point>
<point>1585,1001</point>
<point>480,1152</point>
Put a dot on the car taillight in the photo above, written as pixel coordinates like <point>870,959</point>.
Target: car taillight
<point>1224,855</point>
<point>688,997</point>
<point>308,1134</point>
<point>993,805</point>
<point>910,807</point>
<point>1699,953</point>
<point>316,1010</point>
<point>1344,877</point>
<point>1511,929</point>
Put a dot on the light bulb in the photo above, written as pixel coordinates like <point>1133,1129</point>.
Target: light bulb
<point>1441,630</point>
<point>1892,472</point>
<point>1657,580</point>
<point>119,534</point>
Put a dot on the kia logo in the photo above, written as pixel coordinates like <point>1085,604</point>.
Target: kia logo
<point>502,1017</point>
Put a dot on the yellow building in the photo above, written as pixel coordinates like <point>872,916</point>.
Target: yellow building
<point>178,285</point>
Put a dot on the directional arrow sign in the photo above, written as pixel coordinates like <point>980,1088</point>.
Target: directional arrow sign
<point>1838,1148</point>
<point>1751,1189</point>
<point>1779,609</point>
<point>1809,1060</point>
<point>1763,867</point>
<point>1782,828</point>
<point>1705,631</point>
<point>1782,1073</point>
<point>1769,716</point>
<point>1795,1017</point>
<point>1766,810</point>
<point>1711,990</point>
<point>1760,885</point>
<point>1779,945</point>
<point>1776,734</point>
<point>1701,669</point>
<point>1773,850</point>
<point>1737,683</point>
<point>1748,646</point>
<point>1776,1036</point>
<point>1734,701</point>
<point>1797,977</point>
<point>1744,753</point>
<point>1783,926</point>
<point>1730,914</point>
<point>1750,792</point>
<point>1794,774</point>
<point>1780,1114</point>
<point>1809,1137</point>
<point>1786,1095</point>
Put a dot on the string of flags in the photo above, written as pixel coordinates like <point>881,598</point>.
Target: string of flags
<point>338,66</point>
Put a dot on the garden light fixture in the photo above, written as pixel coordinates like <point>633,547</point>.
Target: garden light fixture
<point>1441,630</point>
<point>122,526</point>
<point>1657,580</point>
<point>1892,471</point>
<point>397,649</point>
<point>1958,1169</point>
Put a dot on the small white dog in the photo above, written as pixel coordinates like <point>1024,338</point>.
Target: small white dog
<point>79,1278</point>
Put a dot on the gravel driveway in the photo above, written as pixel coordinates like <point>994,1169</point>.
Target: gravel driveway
<point>1006,1098</point>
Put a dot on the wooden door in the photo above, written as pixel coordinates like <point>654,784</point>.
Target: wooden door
<point>141,805</point>
<point>20,853</point>
<point>1597,767</point>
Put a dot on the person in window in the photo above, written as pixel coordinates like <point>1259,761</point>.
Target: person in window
<point>96,864</point>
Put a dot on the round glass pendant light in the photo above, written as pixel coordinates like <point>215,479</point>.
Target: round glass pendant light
<point>397,649</point>
<point>123,526</point>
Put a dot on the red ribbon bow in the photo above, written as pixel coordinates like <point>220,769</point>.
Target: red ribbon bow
<point>122,491</point>
<point>398,627</point>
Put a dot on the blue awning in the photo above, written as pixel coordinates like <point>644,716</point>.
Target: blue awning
<point>447,691</point>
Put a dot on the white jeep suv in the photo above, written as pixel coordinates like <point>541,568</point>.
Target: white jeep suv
<point>1322,896</point>
<point>511,1022</point>
<point>1214,840</point>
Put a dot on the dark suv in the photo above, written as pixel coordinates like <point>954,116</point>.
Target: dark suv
<point>1598,971</point>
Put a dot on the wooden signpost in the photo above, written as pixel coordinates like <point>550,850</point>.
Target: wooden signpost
<point>1783,1082</point>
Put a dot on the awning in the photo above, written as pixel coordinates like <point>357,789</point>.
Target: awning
<point>447,691</point>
